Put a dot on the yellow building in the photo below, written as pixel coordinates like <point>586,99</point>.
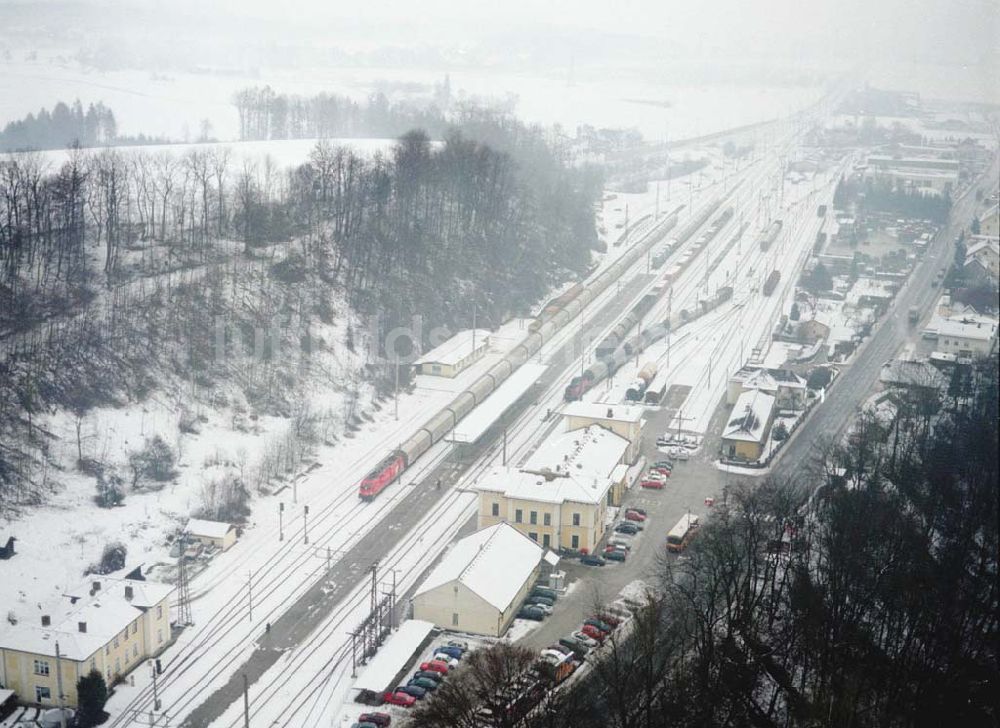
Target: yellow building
<point>481,582</point>
<point>107,624</point>
<point>560,495</point>
<point>216,534</point>
<point>749,426</point>
<point>624,420</point>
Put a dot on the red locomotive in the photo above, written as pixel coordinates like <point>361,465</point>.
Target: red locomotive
<point>383,475</point>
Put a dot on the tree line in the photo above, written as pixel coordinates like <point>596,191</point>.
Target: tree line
<point>116,266</point>
<point>266,114</point>
<point>864,595</point>
<point>61,127</point>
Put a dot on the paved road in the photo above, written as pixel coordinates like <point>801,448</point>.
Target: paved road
<point>857,381</point>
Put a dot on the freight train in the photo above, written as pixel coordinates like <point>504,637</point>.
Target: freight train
<point>769,235</point>
<point>638,388</point>
<point>555,315</point>
<point>771,282</point>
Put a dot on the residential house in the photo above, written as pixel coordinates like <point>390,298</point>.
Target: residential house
<point>749,426</point>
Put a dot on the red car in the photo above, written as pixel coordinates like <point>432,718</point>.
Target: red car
<point>634,516</point>
<point>608,619</point>
<point>401,699</point>
<point>379,719</point>
<point>435,665</point>
<point>658,484</point>
<point>594,633</point>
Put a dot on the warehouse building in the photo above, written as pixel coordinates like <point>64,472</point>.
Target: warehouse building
<point>481,582</point>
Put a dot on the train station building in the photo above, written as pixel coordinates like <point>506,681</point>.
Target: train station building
<point>561,494</point>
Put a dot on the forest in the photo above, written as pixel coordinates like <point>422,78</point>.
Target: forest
<point>63,126</point>
<point>864,593</point>
<point>117,267</point>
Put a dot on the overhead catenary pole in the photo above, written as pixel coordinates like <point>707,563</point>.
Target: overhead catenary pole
<point>156,691</point>
<point>305,524</point>
<point>250,593</point>
<point>395,396</point>
<point>281,519</point>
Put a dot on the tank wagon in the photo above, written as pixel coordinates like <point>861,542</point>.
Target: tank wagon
<point>638,388</point>
<point>554,316</point>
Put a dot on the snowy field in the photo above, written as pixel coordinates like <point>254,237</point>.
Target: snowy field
<point>174,104</point>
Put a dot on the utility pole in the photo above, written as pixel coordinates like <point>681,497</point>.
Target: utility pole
<point>396,389</point>
<point>183,589</point>
<point>62,710</point>
<point>504,455</point>
<point>246,702</point>
<point>281,519</point>
<point>250,593</point>
<point>305,524</point>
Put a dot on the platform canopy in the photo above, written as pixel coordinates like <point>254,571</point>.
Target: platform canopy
<point>393,656</point>
<point>474,424</point>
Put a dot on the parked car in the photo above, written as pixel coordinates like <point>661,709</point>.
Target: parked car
<point>399,698</point>
<point>603,626</point>
<point>621,541</point>
<point>615,555</point>
<point>423,682</point>
<point>655,484</point>
<point>668,464</point>
<point>429,674</point>
<point>546,609</point>
<point>452,651</point>
<point>434,666</point>
<point>656,475</point>
<point>553,656</point>
<point>592,560</point>
<point>663,440</point>
<point>612,619</point>
<point>579,649</point>
<point>459,644</point>
<point>446,659</point>
<point>634,516</point>
<point>531,612</point>
<point>627,527</point>
<point>592,632</point>
<point>560,648</point>
<point>379,719</point>
<point>637,510</point>
<point>661,469</point>
<point>537,599</point>
<point>414,691</point>
<point>584,639</point>
<point>364,724</point>
<point>680,453</point>
<point>541,591</point>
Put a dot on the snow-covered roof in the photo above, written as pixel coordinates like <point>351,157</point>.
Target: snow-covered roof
<point>208,529</point>
<point>393,655</point>
<point>145,594</point>
<point>603,411</point>
<point>907,373</point>
<point>493,563</point>
<point>982,244</point>
<point>104,617</point>
<point>768,380</point>
<point>514,483</point>
<point>474,424</point>
<point>750,415</point>
<point>588,452</point>
<point>456,348</point>
<point>965,328</point>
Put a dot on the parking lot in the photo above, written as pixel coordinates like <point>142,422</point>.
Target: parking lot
<point>685,491</point>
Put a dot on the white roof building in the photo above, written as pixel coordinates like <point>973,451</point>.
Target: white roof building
<point>557,488</point>
<point>593,452</point>
<point>750,418</point>
<point>456,349</point>
<point>492,563</point>
<point>604,411</point>
<point>208,529</point>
